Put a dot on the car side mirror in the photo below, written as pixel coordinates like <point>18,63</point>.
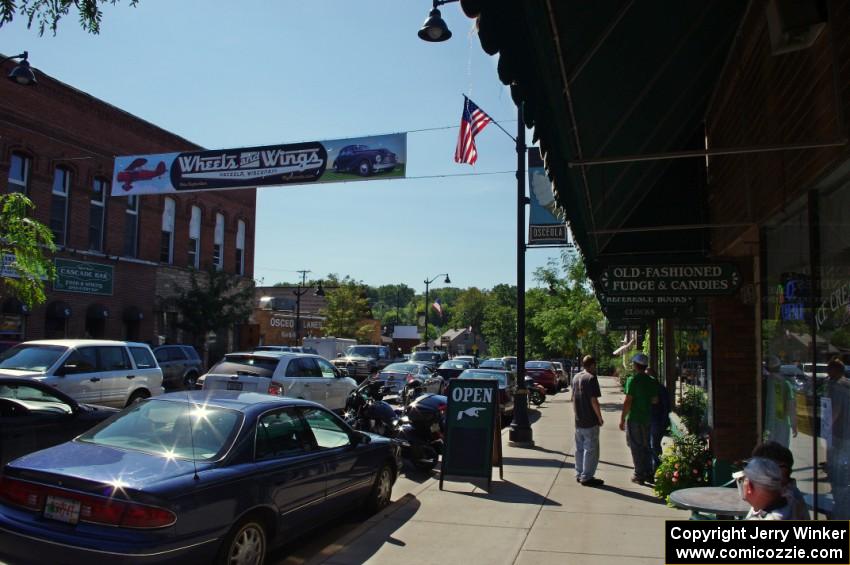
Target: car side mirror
<point>363,438</point>
<point>65,369</point>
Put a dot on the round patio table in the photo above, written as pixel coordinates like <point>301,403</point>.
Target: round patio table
<point>723,502</point>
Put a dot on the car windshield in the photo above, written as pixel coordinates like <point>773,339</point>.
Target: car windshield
<point>538,365</point>
<point>34,399</point>
<point>485,375</point>
<point>31,357</point>
<point>362,351</point>
<point>454,365</point>
<point>492,364</point>
<point>425,356</point>
<point>402,368</point>
<point>250,365</point>
<point>175,430</point>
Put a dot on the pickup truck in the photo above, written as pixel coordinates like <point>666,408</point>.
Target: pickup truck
<point>363,361</point>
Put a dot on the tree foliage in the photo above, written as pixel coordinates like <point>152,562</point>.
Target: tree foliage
<point>45,14</point>
<point>347,309</point>
<point>28,241</point>
<point>214,300</point>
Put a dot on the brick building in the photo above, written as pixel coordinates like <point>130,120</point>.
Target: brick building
<point>120,259</point>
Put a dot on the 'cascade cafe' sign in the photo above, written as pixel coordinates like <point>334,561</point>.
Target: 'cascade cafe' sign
<point>700,279</point>
<point>473,438</point>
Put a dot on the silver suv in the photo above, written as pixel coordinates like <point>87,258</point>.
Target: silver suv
<point>111,373</point>
<point>181,366</point>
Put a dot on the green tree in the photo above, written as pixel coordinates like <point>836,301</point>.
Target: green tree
<point>499,329</point>
<point>27,241</point>
<point>347,308</point>
<point>214,300</point>
<point>47,13</point>
<point>469,310</point>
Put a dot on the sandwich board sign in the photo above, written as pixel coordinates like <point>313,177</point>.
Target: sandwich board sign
<point>473,438</point>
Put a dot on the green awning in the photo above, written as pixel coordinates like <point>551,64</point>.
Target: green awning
<point>611,78</point>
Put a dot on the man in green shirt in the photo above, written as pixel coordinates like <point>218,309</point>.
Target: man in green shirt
<point>641,393</point>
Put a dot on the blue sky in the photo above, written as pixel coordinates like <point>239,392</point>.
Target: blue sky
<point>230,74</point>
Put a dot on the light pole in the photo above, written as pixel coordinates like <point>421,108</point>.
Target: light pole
<point>22,74</point>
<point>301,291</point>
<point>427,284</point>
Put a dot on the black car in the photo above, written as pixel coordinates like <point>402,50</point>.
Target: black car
<point>430,358</point>
<point>35,416</point>
<point>452,368</point>
<point>181,366</point>
<point>363,160</point>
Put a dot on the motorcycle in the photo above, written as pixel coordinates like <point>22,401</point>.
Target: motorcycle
<point>422,429</point>
<point>536,392</point>
<point>366,410</point>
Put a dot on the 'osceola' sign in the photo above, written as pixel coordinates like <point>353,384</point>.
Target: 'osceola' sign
<point>703,279</point>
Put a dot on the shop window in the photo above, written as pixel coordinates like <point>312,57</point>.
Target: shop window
<point>19,173</point>
<point>218,242</point>
<point>240,247</point>
<point>194,238</point>
<point>166,246</point>
<point>131,227</point>
<point>59,205</point>
<point>97,215</point>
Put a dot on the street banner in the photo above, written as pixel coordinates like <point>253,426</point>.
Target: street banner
<point>544,228</point>
<point>696,279</point>
<point>473,438</point>
<point>338,160</point>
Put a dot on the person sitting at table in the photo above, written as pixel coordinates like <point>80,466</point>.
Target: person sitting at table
<point>783,457</point>
<point>760,484</point>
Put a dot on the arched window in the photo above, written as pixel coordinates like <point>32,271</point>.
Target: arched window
<point>59,205</point>
<point>195,237</point>
<point>218,242</point>
<point>97,213</point>
<point>240,247</point>
<point>19,173</point>
<point>166,246</point>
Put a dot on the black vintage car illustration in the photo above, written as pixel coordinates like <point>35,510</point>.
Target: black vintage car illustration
<point>363,160</point>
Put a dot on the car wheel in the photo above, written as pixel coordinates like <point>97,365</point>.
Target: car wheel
<point>137,396</point>
<point>244,545</point>
<point>364,169</point>
<point>189,381</point>
<point>379,496</point>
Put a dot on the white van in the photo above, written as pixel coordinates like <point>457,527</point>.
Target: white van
<point>297,375</point>
<point>91,371</point>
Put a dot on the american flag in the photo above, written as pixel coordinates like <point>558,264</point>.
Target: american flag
<point>438,307</point>
<point>473,120</point>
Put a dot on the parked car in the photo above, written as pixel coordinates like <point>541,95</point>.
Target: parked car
<point>544,373</point>
<point>300,349</point>
<point>298,375</point>
<point>397,375</point>
<point>507,387</point>
<point>563,377</point>
<point>496,363</point>
<point>35,415</point>
<point>181,366</point>
<point>363,160</point>
<point>471,359</point>
<point>191,477</point>
<point>362,361</point>
<point>284,348</point>
<point>452,368</point>
<point>111,373</point>
<point>430,358</point>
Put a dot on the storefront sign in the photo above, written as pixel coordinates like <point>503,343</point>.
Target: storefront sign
<point>649,312</point>
<point>339,160</point>
<point>544,227</point>
<point>84,278</point>
<point>473,440</point>
<point>835,306</point>
<point>640,300</point>
<point>674,280</point>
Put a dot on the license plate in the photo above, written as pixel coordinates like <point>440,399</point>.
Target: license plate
<point>62,509</point>
<point>234,386</point>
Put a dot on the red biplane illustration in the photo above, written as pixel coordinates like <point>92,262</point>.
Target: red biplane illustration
<point>133,173</point>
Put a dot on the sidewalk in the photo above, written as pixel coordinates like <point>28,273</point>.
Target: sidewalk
<point>538,515</point>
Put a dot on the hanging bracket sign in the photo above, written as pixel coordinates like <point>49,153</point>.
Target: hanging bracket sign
<point>702,279</point>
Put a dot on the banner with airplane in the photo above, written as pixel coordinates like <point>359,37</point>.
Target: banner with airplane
<point>339,160</point>
<point>544,227</point>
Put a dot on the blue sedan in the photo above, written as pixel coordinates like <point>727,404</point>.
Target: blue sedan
<point>198,477</point>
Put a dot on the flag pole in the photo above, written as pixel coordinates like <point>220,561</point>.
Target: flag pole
<point>498,125</point>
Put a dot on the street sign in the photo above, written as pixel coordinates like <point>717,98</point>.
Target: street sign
<point>83,277</point>
<point>701,279</point>
<point>473,438</point>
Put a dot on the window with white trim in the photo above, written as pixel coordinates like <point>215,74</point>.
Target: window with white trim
<point>240,247</point>
<point>19,173</point>
<point>131,227</point>
<point>97,213</point>
<point>195,238</point>
<point>166,245</point>
<point>59,205</point>
<point>218,242</point>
